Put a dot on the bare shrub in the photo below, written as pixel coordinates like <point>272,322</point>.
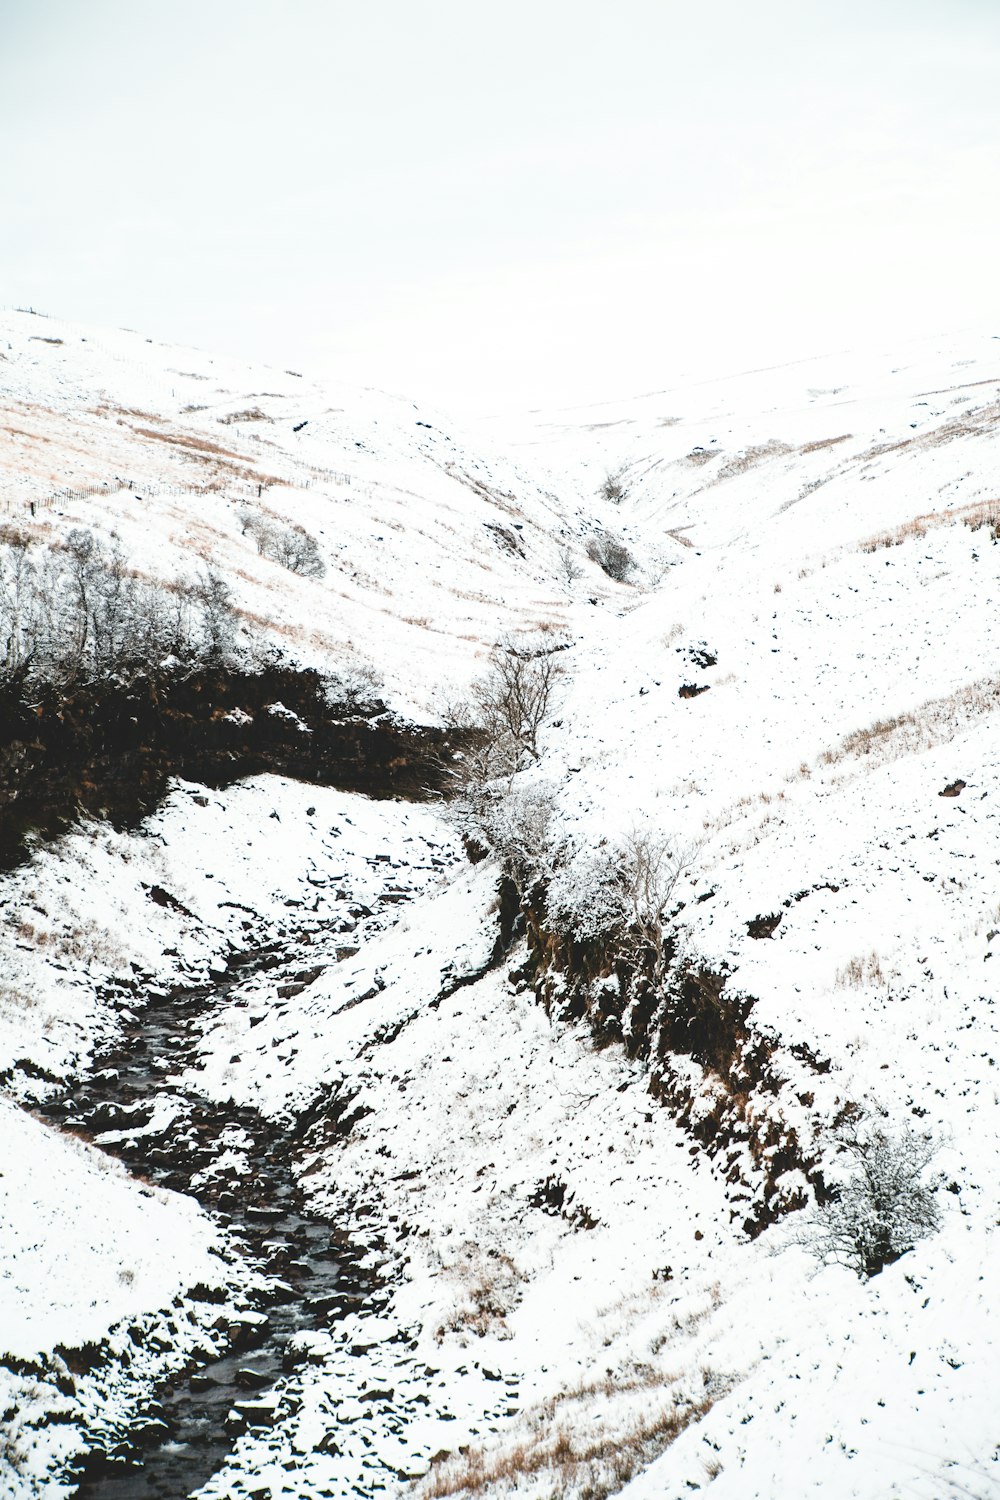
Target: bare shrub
<point>613,486</point>
<point>612,556</point>
<point>290,545</point>
<point>882,1209</point>
<point>569,566</point>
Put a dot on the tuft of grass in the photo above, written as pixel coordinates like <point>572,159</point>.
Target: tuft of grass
<point>489,1287</point>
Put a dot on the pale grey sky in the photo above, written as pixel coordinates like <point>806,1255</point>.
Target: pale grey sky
<point>504,205</point>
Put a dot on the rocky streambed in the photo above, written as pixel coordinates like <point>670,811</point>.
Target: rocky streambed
<point>239,1166</point>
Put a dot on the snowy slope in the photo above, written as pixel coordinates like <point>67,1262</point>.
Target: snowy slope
<point>575,1305</point>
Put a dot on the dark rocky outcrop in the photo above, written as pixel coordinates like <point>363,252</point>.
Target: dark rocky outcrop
<point>107,749</point>
<point>672,1010</point>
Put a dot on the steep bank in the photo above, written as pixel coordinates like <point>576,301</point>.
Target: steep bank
<point>109,749</point>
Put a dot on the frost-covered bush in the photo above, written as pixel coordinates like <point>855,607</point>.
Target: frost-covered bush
<point>882,1208</point>
<point>73,610</point>
<point>586,896</point>
<point>613,486</point>
<point>620,891</point>
<point>511,819</point>
<point>288,544</point>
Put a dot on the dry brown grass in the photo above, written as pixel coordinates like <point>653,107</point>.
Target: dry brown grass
<point>933,723</point>
<point>864,968</point>
<point>830,442</point>
<point>976,421</point>
<point>592,1459</point>
<point>488,1288</point>
<point>12,998</point>
<point>982,513</point>
<point>71,943</point>
<point>591,1438</point>
<point>251,414</point>
<point>751,457</point>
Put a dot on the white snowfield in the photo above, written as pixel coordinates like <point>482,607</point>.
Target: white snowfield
<point>582,1310</point>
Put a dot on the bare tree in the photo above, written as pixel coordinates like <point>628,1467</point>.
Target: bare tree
<point>511,702</point>
<point>502,720</point>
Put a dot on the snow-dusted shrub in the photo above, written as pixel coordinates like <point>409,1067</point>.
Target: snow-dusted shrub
<point>569,566</point>
<point>613,486</point>
<point>517,825</point>
<point>882,1208</point>
<point>510,818</point>
<point>355,687</point>
<point>288,544</point>
<point>612,556</point>
<point>586,895</point>
<point>619,891</point>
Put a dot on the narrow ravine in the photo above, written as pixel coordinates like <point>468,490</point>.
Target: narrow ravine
<point>132,1105</point>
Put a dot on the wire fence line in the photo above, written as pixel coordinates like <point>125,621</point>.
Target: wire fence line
<point>33,502</point>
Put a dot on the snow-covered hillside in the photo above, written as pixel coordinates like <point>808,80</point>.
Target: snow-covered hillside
<point>578,1203</point>
<point>431,545</point>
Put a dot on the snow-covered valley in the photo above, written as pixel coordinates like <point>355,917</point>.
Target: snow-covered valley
<point>339,1162</point>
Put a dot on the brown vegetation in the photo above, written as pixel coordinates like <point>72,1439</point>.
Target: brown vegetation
<point>981,513</point>
<point>594,1457</point>
<point>931,724</point>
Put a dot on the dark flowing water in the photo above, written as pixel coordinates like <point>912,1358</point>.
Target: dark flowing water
<point>184,1437</point>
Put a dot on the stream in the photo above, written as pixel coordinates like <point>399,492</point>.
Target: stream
<point>184,1437</point>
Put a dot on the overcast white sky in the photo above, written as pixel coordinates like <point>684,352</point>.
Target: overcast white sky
<point>513,204</point>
